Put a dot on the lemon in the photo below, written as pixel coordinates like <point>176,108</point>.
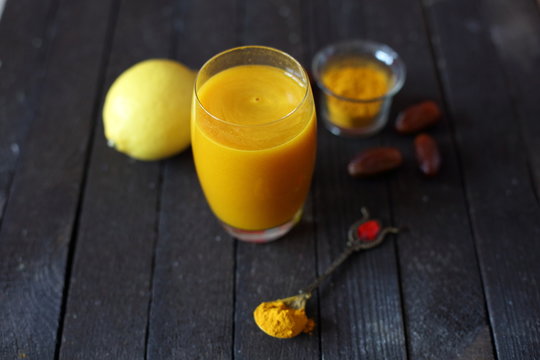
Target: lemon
<point>147,109</point>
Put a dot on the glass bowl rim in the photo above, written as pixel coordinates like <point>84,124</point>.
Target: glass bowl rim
<point>359,47</point>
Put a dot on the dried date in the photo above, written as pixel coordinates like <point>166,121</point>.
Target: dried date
<point>418,117</point>
<point>375,161</point>
<point>427,154</point>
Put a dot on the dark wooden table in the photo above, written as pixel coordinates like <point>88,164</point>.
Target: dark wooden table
<point>103,257</point>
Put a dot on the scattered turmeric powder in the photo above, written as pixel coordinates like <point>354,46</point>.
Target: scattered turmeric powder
<point>276,319</point>
<point>362,81</point>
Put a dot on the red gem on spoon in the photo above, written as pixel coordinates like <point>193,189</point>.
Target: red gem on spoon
<point>369,230</point>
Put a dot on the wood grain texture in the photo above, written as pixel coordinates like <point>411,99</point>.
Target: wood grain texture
<point>110,284</point>
<point>191,313</point>
<point>275,23</point>
<point>192,307</point>
<point>503,208</point>
<point>278,269</point>
<point>438,266</point>
<point>151,274</point>
<point>39,218</point>
<point>268,272</point>
<point>23,42</point>
<point>204,29</point>
<point>360,306</point>
<point>515,31</point>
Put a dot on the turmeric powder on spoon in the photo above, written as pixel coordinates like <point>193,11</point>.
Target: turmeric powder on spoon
<point>279,320</point>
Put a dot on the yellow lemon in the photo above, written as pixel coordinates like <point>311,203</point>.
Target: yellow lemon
<point>147,109</point>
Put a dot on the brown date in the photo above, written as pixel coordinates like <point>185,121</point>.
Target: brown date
<point>375,161</point>
<point>427,154</point>
<point>418,117</point>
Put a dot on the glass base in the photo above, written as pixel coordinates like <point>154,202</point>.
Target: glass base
<point>263,236</point>
<point>366,131</point>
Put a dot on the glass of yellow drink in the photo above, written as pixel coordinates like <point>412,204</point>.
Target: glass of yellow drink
<point>253,131</point>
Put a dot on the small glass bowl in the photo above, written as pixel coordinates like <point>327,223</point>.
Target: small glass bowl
<point>364,115</point>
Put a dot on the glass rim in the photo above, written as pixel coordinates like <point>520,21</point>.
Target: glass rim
<point>247,47</point>
<point>330,50</point>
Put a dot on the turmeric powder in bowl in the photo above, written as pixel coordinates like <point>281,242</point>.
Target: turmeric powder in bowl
<point>357,80</point>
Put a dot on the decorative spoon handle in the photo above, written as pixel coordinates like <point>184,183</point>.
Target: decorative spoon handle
<point>364,234</point>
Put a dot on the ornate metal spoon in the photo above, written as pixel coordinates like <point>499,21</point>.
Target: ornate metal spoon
<point>364,234</point>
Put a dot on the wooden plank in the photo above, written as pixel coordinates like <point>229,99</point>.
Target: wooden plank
<point>343,23</point>
<point>39,218</point>
<point>202,34</point>
<point>192,299</point>
<point>278,24</point>
<point>281,268</point>
<point>503,208</point>
<point>515,31</point>
<point>23,43</point>
<point>360,306</point>
<point>110,284</point>
<point>437,256</point>
<point>191,313</point>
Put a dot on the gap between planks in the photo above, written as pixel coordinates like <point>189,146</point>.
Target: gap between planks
<point>115,9</point>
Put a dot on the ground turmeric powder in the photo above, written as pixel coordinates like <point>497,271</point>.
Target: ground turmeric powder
<point>362,81</point>
<point>276,319</point>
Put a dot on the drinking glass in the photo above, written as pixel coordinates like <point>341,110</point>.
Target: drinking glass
<point>254,140</point>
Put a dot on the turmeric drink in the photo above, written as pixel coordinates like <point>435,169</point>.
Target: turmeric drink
<point>253,136</point>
